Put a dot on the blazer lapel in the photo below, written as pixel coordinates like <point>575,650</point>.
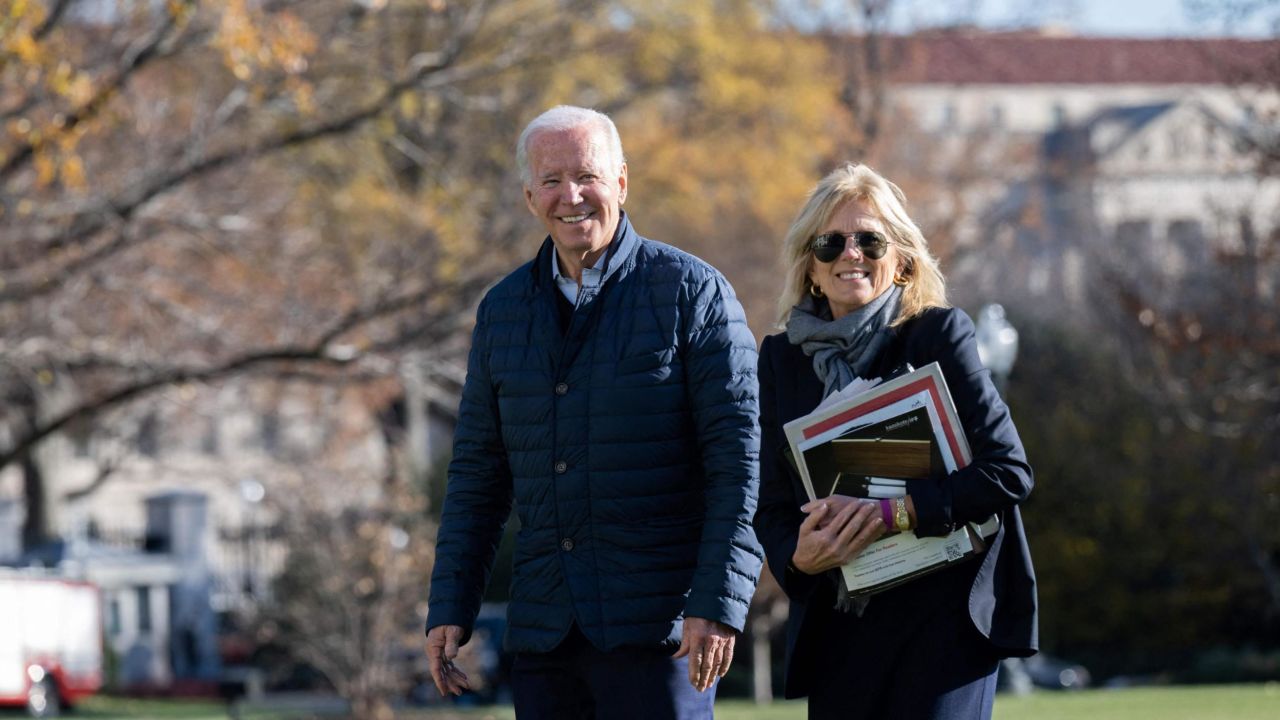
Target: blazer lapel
<point>806,388</point>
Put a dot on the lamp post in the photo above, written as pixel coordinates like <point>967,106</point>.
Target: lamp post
<point>997,343</point>
<point>251,492</point>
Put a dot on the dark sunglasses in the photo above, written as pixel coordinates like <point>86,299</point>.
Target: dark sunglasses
<point>828,246</point>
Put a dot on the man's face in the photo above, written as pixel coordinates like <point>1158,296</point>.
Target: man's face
<point>575,191</point>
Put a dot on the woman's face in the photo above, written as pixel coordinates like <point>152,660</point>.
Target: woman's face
<point>853,280</point>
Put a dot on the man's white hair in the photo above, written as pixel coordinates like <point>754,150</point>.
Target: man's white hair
<point>568,117</point>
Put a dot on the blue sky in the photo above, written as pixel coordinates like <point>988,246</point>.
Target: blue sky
<point>1133,18</point>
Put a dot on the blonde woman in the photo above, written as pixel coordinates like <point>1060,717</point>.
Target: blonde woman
<point>863,297</point>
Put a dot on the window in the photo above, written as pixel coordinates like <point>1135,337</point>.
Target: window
<point>1134,236</point>
<point>270,431</point>
<point>210,440</point>
<point>113,616</point>
<point>149,435</point>
<point>1187,237</point>
<point>144,608</point>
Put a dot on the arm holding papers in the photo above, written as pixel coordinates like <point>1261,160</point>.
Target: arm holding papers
<point>871,445</point>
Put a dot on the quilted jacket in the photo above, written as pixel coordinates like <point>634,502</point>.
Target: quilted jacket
<point>628,441</point>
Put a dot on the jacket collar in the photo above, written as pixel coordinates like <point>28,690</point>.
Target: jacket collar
<point>619,257</point>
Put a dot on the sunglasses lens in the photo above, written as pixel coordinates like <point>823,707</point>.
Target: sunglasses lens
<point>872,245</point>
<point>827,253</point>
<point>829,246</point>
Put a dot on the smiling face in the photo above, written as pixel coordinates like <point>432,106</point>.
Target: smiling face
<point>576,192</point>
<point>853,280</point>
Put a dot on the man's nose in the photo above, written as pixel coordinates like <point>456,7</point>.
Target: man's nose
<point>571,193</point>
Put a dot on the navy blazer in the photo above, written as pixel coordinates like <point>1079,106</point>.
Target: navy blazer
<point>1002,601</point>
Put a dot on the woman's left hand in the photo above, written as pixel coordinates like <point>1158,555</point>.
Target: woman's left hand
<point>837,529</point>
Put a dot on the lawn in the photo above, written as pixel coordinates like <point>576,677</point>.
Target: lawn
<point>1218,702</point>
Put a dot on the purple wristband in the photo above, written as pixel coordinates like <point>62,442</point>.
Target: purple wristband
<point>886,512</point>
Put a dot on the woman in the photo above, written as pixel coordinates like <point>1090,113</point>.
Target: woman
<point>863,297</point>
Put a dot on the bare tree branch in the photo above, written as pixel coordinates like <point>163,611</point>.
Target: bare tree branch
<point>427,71</point>
<point>322,351</point>
<point>136,57</point>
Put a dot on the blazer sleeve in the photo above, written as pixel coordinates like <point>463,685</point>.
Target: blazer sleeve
<point>999,477</point>
<point>778,517</point>
<point>720,376</point>
<point>478,497</point>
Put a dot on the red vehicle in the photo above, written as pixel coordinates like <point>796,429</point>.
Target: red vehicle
<point>50,642</point>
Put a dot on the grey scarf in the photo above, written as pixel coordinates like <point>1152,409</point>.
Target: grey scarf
<point>842,350</point>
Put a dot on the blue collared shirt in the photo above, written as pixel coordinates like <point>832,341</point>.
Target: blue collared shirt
<point>591,277</point>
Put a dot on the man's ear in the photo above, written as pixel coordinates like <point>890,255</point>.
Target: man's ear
<point>622,185</point>
<point>528,201</point>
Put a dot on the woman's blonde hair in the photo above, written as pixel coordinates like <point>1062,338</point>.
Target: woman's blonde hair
<point>925,286</point>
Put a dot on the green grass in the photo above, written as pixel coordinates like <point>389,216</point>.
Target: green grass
<point>1237,702</point>
<point>1217,702</point>
<point>101,707</point>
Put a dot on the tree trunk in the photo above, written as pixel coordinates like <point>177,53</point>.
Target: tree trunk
<point>37,527</point>
<point>761,667</point>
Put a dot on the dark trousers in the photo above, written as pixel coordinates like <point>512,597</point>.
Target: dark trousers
<point>913,655</point>
<point>575,681</point>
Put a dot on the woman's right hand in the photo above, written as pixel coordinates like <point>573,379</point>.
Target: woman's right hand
<point>837,528</point>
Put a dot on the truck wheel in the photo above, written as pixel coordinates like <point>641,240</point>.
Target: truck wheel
<point>43,700</point>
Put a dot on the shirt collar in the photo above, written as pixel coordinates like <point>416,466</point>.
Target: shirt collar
<point>568,287</point>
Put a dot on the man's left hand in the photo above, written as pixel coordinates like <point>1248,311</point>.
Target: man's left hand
<point>709,645</point>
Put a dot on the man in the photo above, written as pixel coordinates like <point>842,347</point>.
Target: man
<point>611,394</point>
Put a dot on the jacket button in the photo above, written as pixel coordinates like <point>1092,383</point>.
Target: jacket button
<point>561,467</point>
<point>562,388</point>
<point>566,544</point>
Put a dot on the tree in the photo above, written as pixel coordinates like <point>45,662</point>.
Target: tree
<point>350,601</point>
<point>162,173</point>
<point>1184,315</point>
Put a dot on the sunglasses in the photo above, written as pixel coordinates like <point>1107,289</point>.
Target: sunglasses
<point>829,246</point>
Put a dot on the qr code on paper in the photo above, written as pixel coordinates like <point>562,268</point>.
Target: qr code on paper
<point>954,551</point>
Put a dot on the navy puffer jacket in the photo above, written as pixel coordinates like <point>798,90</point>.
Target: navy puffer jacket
<point>629,444</point>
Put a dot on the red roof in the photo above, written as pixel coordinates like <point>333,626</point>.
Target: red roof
<point>969,57</point>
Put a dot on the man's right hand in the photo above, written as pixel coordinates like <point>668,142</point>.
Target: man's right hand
<point>442,648</point>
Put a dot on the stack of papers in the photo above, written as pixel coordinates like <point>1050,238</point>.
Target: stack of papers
<point>866,441</point>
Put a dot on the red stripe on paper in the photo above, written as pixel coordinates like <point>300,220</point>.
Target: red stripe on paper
<point>887,399</point>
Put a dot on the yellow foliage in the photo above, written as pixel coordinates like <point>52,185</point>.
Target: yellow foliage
<point>79,89</point>
<point>46,168</point>
<point>251,41</point>
<point>303,94</point>
<point>746,138</point>
<point>72,172</point>
<point>24,47</point>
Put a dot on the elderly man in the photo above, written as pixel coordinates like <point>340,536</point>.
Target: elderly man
<point>611,394</point>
